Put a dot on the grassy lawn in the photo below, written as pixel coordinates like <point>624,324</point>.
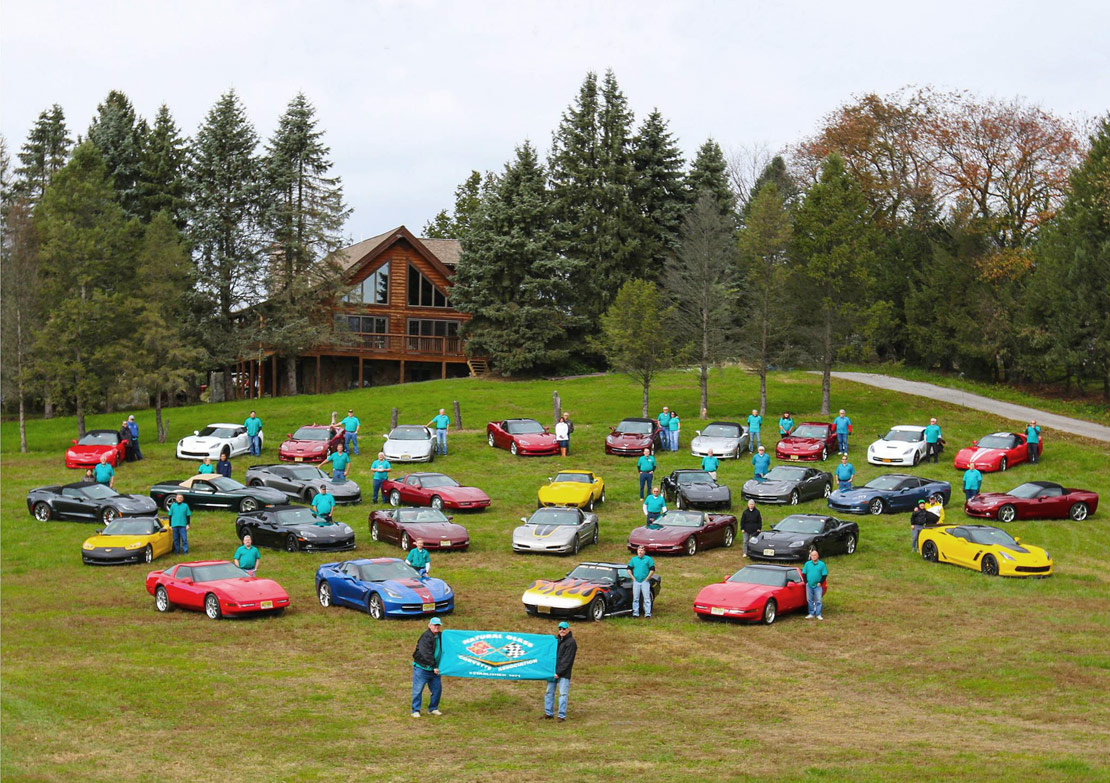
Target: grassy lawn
<point>919,672</point>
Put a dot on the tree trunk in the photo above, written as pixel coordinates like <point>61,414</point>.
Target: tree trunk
<point>291,376</point>
<point>80,404</point>
<point>647,385</point>
<point>556,406</point>
<point>229,387</point>
<point>158,417</point>
<point>826,370</point>
<point>47,407</point>
<point>704,383</point>
<point>763,390</point>
<point>22,420</point>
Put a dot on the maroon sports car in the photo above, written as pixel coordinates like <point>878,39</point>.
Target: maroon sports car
<point>684,531</point>
<point>811,440</point>
<point>310,443</point>
<point>217,587</point>
<point>632,436</point>
<point>435,490</point>
<point>522,437</point>
<point>1034,500</point>
<point>755,592</point>
<point>402,526</point>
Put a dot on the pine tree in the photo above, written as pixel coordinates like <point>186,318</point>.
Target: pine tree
<point>457,224</point>
<point>775,172</point>
<point>119,136</point>
<point>162,183</point>
<point>658,191</point>
<point>709,173</point>
<point>304,223</point>
<point>43,154</point>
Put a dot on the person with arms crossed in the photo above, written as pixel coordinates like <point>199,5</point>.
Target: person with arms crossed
<point>441,422</point>
<point>381,467</point>
<point>425,669</point>
<point>654,505</point>
<point>815,572</point>
<point>419,558</point>
<point>642,568</point>
<point>350,431</point>
<point>564,664</point>
<point>562,436</point>
<point>254,426</point>
<point>180,513</point>
<point>323,504</point>
<point>247,556</point>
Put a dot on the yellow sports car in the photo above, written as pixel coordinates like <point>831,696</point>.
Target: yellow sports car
<point>581,488</point>
<point>983,548</point>
<point>128,540</point>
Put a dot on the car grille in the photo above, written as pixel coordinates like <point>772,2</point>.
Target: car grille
<point>1032,569</point>
<point>330,545</point>
<point>440,606</point>
<point>195,453</point>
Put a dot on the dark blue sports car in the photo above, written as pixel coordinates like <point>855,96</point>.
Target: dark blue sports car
<point>383,587</point>
<point>889,493</point>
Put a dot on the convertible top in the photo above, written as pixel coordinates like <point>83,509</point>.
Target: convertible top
<point>637,418</point>
<point>106,432</point>
<point>1046,484</point>
<point>726,423</point>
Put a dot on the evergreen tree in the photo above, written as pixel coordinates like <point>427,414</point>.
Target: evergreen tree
<point>304,223</point>
<point>658,191</point>
<point>43,154</point>
<point>457,224</point>
<point>709,173</point>
<point>785,186</point>
<point>119,136</point>
<point>162,183</point>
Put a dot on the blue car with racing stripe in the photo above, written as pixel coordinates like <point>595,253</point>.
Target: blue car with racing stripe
<point>890,493</point>
<point>383,587</point>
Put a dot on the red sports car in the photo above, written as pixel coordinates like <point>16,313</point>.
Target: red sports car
<point>404,525</point>
<point>755,592</point>
<point>1034,500</point>
<point>435,490</point>
<point>310,443</point>
<point>997,451</point>
<point>218,587</point>
<point>522,437</point>
<point>811,440</point>
<point>86,451</point>
<point>632,436</point>
<point>684,531</point>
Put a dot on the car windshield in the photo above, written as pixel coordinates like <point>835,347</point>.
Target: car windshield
<point>216,432</point>
<point>409,433</point>
<point>312,433</point>
<point>592,573</point>
<point>224,484</point>
<point>213,572</point>
<point>410,515</point>
<point>680,519</point>
<point>297,516</point>
<point>573,478</point>
<point>99,439</point>
<point>628,427</point>
<point>904,436</point>
<point>1026,491</point>
<point>996,442</point>
<point>130,527</point>
<point>754,575</point>
<point>528,427</point>
<point>694,477</point>
<point>554,516</point>
<point>800,524</point>
<point>991,535</point>
<point>884,482</point>
<point>783,473</point>
<point>810,431</point>
<point>437,480</point>
<point>307,472</point>
<point>392,569</point>
<point>721,431</point>
<point>98,491</point>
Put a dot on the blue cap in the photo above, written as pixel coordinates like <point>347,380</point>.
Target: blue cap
<point>434,621</point>
<point>564,624</point>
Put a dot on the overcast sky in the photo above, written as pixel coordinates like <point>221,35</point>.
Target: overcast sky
<point>413,95</point>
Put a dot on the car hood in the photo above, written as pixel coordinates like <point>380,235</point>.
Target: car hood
<point>704,491</point>
<point>660,535</point>
<point>312,531</point>
<point>120,542</point>
<point>540,439</point>
<point>800,444</point>
<point>91,449</point>
<point>303,447</point>
<point>628,440</point>
<point>563,593</point>
<point>734,595</point>
<point>976,454</point>
<point>555,534</point>
<point>719,445</point>
<point>780,537</point>
<point>565,490</point>
<point>991,499</point>
<point>248,588</point>
<point>858,495</point>
<point>467,494</point>
<point>197,442</point>
<point>415,589</point>
<point>341,489</point>
<point>399,447</point>
<point>435,531</point>
<point>265,494</point>
<point>769,487</point>
<point>135,504</point>
<point>892,447</point>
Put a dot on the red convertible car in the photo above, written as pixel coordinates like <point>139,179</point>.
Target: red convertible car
<point>684,531</point>
<point>435,490</point>
<point>632,436</point>
<point>403,526</point>
<point>310,443</point>
<point>810,440</point>
<point>522,437</point>
<point>997,451</point>
<point>755,592</point>
<point>217,587</point>
<point>1034,500</point>
<point>86,451</point>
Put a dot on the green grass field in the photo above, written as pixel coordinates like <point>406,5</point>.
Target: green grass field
<point>919,672</point>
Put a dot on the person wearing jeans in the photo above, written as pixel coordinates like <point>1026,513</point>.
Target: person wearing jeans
<point>751,523</point>
<point>564,664</point>
<point>179,524</point>
<point>655,505</point>
<point>973,481</point>
<point>843,426</point>
<point>381,467</point>
<point>350,431</point>
<point>815,573</point>
<point>646,465</point>
<point>933,437</point>
<point>642,568</point>
<point>755,424</point>
<point>441,423</point>
<point>425,668</point>
<point>254,427</point>
<point>339,462</point>
<point>845,473</point>
<point>1033,441</point>
<point>674,426</point>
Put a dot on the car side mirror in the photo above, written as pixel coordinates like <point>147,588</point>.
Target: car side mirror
<point>1017,540</point>
<point>289,436</point>
<point>974,443</point>
<point>449,518</point>
<point>549,479</point>
<point>75,441</point>
<point>612,429</point>
<point>697,432</point>
<point>545,430</point>
<point>384,435</point>
<point>101,531</point>
<point>195,432</point>
<point>524,520</point>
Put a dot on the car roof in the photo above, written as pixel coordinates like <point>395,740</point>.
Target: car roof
<point>999,434</point>
<point>689,470</point>
<point>410,427</point>
<point>222,424</point>
<point>285,507</point>
<point>203,563</point>
<point>75,484</point>
<point>808,516</point>
<point>815,423</point>
<point>1046,484</point>
<point>602,564</point>
<point>107,432</point>
<point>907,428</point>
<point>428,473</point>
<point>729,423</point>
<point>315,426</point>
<point>768,567</point>
<point>636,418</point>
<point>519,419</point>
<point>584,472</point>
<point>903,475</point>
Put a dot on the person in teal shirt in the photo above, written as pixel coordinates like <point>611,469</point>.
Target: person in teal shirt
<point>441,422</point>
<point>105,473</point>
<point>654,505</point>
<point>664,424</point>
<point>815,573</point>
<point>973,481</point>
<point>254,427</point>
<point>350,431</point>
<point>206,467</point>
<point>755,424</point>
<point>247,556</point>
<point>845,473</point>
<point>339,462</point>
<point>381,468</point>
<point>642,568</point>
<point>709,464</point>
<point>1033,442</point>
<point>761,463</point>
<point>843,426</point>
<point>180,513</point>
<point>786,425</point>
<point>646,464</point>
<point>323,503</point>
<point>419,558</point>
<point>674,425</point>
<point>932,440</point>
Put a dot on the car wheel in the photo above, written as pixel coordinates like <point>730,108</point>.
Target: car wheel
<point>828,490</point>
<point>290,543</point>
<point>374,531</point>
<point>590,504</point>
<point>512,449</point>
<point>247,505</point>
<point>794,498</point>
<point>597,609</point>
<point>929,552</point>
<point>597,534</point>
<point>489,440</point>
<point>678,500</point>
<point>876,506</point>
<point>42,511</point>
<point>692,545</point>
<point>323,592</point>
<point>1003,464</point>
<point>770,611</point>
<point>168,501</point>
<point>395,498</point>
<point>990,566</point>
<point>576,546</point>
<point>437,502</point>
<point>824,453</point>
<point>405,543</point>
<point>255,483</point>
<point>602,498</point>
<point>375,607</point>
<point>148,554</point>
<point>162,600</point>
<point>850,545</point>
<point>212,607</point>
<point>108,514</point>
<point>916,458</point>
<point>730,536</point>
<point>1078,512</point>
<point>310,495</point>
<point>1007,513</point>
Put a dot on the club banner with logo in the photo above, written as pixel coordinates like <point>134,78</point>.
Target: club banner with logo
<point>498,655</point>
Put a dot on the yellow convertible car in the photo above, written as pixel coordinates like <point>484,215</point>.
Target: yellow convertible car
<point>983,548</point>
<point>581,488</point>
<point>128,540</point>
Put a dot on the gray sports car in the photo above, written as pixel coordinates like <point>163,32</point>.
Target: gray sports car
<point>791,484</point>
<point>727,439</point>
<point>561,531</point>
<point>302,482</point>
<point>410,443</point>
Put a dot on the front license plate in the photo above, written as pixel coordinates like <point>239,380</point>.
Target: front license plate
<point>298,459</point>
<point>429,607</point>
<point>717,610</point>
<point>793,456</point>
<point>886,460</point>
<point>445,542</point>
<point>406,456</point>
<point>769,552</point>
<point>543,609</point>
<point>267,605</point>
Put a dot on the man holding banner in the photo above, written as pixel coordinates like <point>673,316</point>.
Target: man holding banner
<point>564,663</point>
<point>425,669</point>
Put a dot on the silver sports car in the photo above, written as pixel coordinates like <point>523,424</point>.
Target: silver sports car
<point>302,482</point>
<point>410,443</point>
<point>727,439</point>
<point>560,531</point>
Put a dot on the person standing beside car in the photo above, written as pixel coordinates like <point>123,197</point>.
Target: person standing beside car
<point>646,464</point>
<point>425,668</point>
<point>761,463</point>
<point>133,426</point>
<point>918,519</point>
<point>206,467</point>
<point>105,474</point>
<point>254,427</point>
<point>1033,441</point>
<point>323,504</point>
<point>786,424</point>
<point>570,428</point>
<point>180,514</point>
<point>381,467</point>
<point>664,420</point>
<point>339,460</point>
<point>933,436</point>
<point>845,474</point>
<point>350,431</point>
<point>674,427</point>
<point>223,465</point>
<point>565,652</point>
<point>125,438</point>
<point>441,422</point>
<point>642,568</point>
<point>562,436</point>
<point>815,572</point>
<point>843,426</point>
<point>751,524</point>
<point>973,482</point>
<point>247,556</point>
<point>710,463</point>
<point>755,424</point>
<point>419,558</point>
<point>654,505</point>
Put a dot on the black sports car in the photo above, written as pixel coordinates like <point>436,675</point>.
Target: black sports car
<point>86,502</point>
<point>591,590</point>
<point>792,538</point>
<point>302,482</point>
<point>791,484</point>
<point>294,528</point>
<point>695,489</point>
<point>212,491</point>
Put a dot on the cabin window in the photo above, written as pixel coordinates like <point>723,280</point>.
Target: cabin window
<point>374,290</point>
<point>422,293</point>
<point>429,327</point>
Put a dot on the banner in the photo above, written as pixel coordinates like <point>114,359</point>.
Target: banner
<point>498,655</point>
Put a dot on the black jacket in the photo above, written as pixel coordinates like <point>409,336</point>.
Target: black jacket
<point>427,652</point>
<point>922,518</point>
<point>564,655</point>
<point>751,520</point>
<point>224,468</point>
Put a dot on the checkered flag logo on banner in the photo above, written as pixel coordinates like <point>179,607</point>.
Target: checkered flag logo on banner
<point>513,650</point>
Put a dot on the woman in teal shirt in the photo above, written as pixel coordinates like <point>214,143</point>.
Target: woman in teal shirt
<point>206,467</point>
<point>786,425</point>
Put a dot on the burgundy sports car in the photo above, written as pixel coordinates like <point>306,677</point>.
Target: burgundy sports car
<point>86,451</point>
<point>811,440</point>
<point>997,451</point>
<point>632,436</point>
<point>522,437</point>
<point>310,443</point>
<point>403,526</point>
<point>1034,500</point>
<point>217,587</point>
<point>684,531</point>
<point>755,592</point>
<point>435,490</point>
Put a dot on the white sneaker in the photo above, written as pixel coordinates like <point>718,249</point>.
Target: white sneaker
<point>436,712</point>
<point>808,617</point>
<point>416,715</point>
<point>819,617</point>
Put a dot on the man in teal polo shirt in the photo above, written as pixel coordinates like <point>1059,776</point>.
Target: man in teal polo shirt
<point>664,420</point>
<point>845,473</point>
<point>350,431</point>
<point>323,503</point>
<point>786,424</point>
<point>381,468</point>
<point>247,556</point>
<point>932,440</point>
<point>815,573</point>
<point>646,464</point>
<point>180,513</point>
<point>973,481</point>
<point>761,463</point>
<point>1033,441</point>
<point>339,462</point>
<point>642,568</point>
<point>755,424</point>
<point>843,426</point>
<point>105,473</point>
<point>254,427</point>
<point>441,422</point>
<point>654,505</point>
<point>419,558</point>
<point>709,464</point>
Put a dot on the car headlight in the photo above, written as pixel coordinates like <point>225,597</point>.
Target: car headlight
<point>525,442</point>
<point>1047,555</point>
<point>307,534</point>
<point>88,545</point>
<point>754,539</point>
<point>136,545</point>
<point>391,594</point>
<point>797,543</point>
<point>1006,556</point>
<point>447,592</point>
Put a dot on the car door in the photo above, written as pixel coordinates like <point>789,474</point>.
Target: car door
<point>282,478</point>
<point>709,532</point>
<point>584,529</point>
<point>793,595</point>
<point>905,495</point>
<point>201,494</point>
<point>412,492</point>
<point>73,503</point>
<point>501,435</point>
<point>956,547</point>
<point>239,442</point>
<point>345,586</point>
<point>1050,502</point>
<point>810,486</point>
<point>389,526</point>
<point>267,530</point>
<point>597,487</point>
<point>161,542</point>
<point>620,597</point>
<point>835,535</point>
<point>183,591</point>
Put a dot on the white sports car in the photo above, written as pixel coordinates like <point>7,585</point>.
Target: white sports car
<point>903,445</point>
<point>214,440</point>
<point>410,443</point>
